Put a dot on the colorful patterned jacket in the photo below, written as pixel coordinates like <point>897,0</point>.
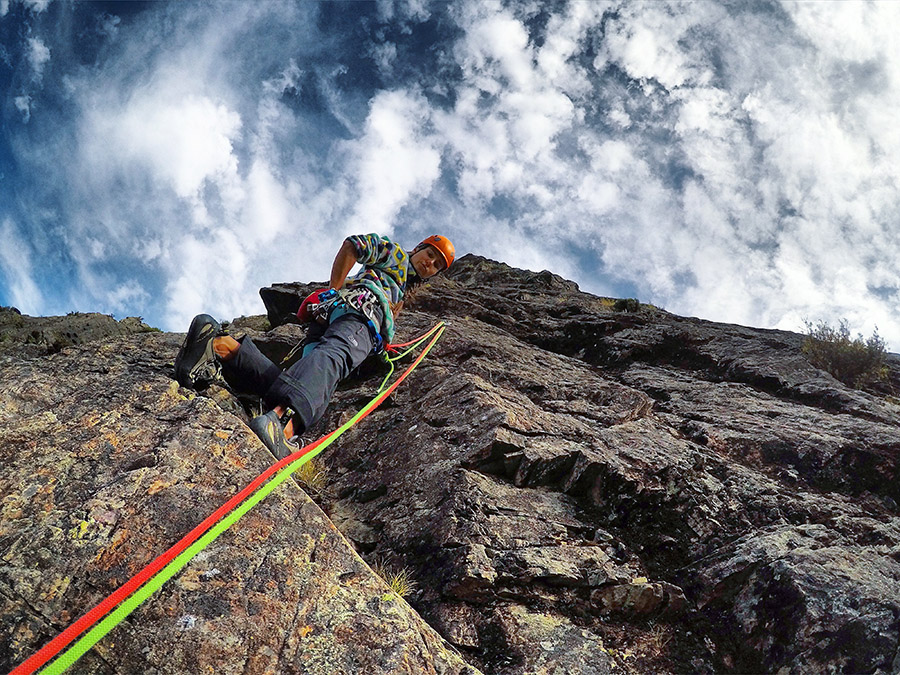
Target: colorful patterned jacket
<point>385,272</point>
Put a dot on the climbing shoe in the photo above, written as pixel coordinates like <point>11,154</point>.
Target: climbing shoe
<point>270,430</point>
<point>196,364</point>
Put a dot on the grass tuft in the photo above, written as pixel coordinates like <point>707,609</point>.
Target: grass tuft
<point>313,475</point>
<point>398,580</point>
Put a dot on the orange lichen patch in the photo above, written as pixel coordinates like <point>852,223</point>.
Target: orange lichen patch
<point>111,555</point>
<point>112,438</point>
<point>235,459</point>
<point>221,433</point>
<point>50,475</point>
<point>90,420</point>
<point>343,632</point>
<point>10,511</point>
<point>305,630</point>
<point>257,531</point>
<point>326,593</point>
<point>158,485</point>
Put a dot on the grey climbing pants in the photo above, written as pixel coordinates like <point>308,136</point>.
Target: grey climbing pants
<point>308,385</point>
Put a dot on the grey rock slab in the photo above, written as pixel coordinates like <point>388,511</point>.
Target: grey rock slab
<point>104,469</point>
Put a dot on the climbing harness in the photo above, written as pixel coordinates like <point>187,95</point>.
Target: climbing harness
<point>118,605</point>
<point>359,300</point>
<point>327,305</point>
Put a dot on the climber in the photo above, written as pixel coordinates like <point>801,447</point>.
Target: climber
<point>352,321</point>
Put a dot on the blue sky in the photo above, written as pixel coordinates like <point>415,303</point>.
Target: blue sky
<point>729,160</point>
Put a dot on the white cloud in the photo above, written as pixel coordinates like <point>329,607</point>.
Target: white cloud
<point>209,275</point>
<point>403,10</point>
<point>184,143</point>
<point>17,269</point>
<point>37,6</point>
<point>123,297</point>
<point>395,162</point>
<point>722,160</point>
<point>268,210</point>
<point>109,25</point>
<point>648,41</point>
<point>496,50</point>
<point>385,55</point>
<point>852,30</point>
<point>23,105</point>
<point>38,56</point>
<point>4,7</point>
<point>514,103</point>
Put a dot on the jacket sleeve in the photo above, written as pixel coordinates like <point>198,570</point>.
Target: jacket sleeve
<point>371,249</point>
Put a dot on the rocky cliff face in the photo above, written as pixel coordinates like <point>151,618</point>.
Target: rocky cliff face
<point>575,487</point>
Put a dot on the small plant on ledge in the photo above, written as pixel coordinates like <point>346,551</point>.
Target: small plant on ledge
<point>856,362</point>
<point>398,579</point>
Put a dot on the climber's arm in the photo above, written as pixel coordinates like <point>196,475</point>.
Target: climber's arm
<point>343,263</point>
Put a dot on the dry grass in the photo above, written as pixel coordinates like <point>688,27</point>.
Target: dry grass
<point>398,580</point>
<point>313,475</point>
<point>658,638</point>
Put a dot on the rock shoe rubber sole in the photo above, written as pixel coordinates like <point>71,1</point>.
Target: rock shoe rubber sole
<point>271,433</point>
<point>196,361</point>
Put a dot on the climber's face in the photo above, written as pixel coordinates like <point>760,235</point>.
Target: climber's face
<point>427,262</point>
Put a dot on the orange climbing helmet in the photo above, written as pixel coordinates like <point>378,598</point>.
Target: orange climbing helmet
<point>443,245</point>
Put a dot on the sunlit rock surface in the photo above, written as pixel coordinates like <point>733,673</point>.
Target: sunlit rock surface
<point>105,462</point>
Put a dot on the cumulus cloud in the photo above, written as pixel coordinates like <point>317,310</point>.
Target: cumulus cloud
<point>712,202</point>
<point>395,160</point>
<point>210,272</point>
<point>185,143</point>
<point>108,25</point>
<point>23,105</point>
<point>37,6</point>
<point>403,10</point>
<point>513,103</point>
<point>385,55</point>
<point>38,56</point>
<point>731,161</point>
